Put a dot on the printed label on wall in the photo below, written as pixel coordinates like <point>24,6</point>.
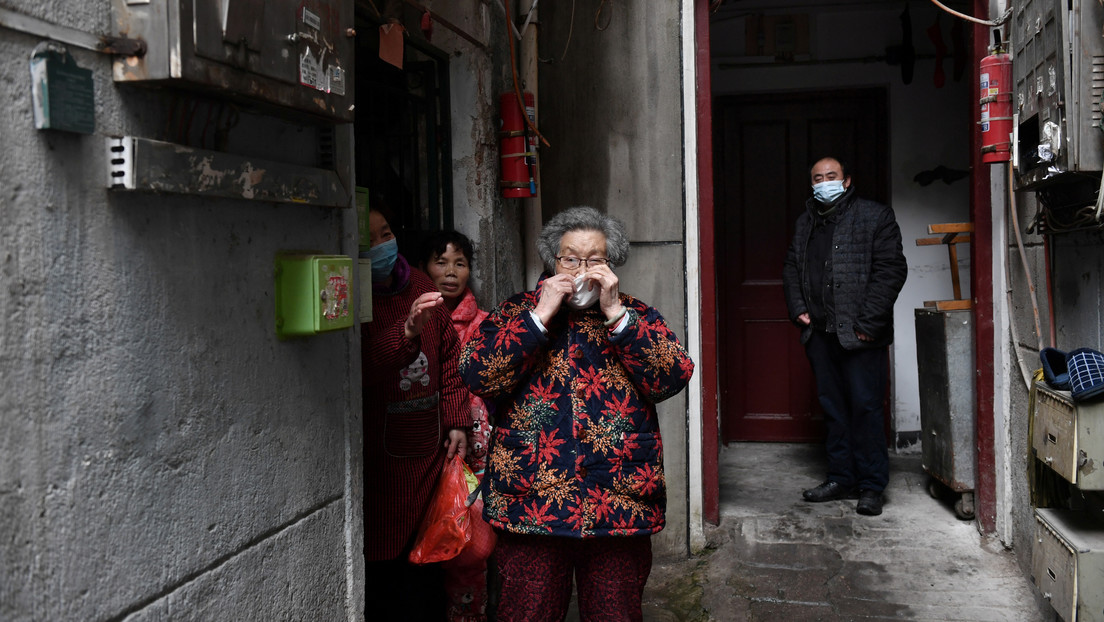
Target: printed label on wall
<point>337,80</point>
<point>312,20</point>
<point>310,71</point>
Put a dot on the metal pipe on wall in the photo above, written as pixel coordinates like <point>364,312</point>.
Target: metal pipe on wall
<point>532,210</point>
<point>981,285</point>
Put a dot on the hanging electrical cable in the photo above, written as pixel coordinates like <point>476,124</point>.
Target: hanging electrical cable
<point>570,29</point>
<point>1007,15</point>
<point>1051,324</point>
<point>598,16</point>
<point>1023,260</point>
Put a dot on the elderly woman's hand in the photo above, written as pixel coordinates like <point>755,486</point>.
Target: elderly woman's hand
<point>609,299</point>
<point>554,291</point>
<point>420,313</point>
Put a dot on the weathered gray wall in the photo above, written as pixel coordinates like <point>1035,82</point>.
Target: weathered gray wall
<point>611,107</point>
<point>164,456</point>
<point>478,75</point>
<point>1077,262</point>
<point>1024,352</point>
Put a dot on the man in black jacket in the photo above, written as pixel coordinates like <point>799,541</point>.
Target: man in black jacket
<point>842,274</point>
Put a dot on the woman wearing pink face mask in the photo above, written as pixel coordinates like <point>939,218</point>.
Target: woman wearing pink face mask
<point>574,483</point>
<point>447,259</point>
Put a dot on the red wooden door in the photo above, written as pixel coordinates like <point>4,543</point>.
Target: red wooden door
<point>764,146</point>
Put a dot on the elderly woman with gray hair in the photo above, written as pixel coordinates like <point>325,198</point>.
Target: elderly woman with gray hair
<point>575,483</point>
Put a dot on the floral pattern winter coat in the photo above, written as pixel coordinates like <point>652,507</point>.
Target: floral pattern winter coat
<point>466,318</point>
<point>576,449</point>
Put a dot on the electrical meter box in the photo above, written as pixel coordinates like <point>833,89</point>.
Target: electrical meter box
<point>294,54</point>
<point>313,294</point>
<point>1058,73</point>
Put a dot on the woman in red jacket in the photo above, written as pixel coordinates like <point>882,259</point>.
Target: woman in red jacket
<point>415,417</point>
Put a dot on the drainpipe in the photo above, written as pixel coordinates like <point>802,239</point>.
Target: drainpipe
<point>531,216</point>
<point>981,277</point>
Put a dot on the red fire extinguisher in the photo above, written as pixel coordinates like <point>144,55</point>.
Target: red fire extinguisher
<point>996,108</point>
<point>517,147</point>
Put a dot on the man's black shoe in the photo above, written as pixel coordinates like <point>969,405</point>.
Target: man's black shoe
<point>828,491</point>
<point>870,503</point>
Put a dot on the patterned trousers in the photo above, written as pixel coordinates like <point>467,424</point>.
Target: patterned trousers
<point>536,575</point>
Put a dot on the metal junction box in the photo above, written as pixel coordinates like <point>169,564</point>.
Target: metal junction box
<point>1058,72</point>
<point>295,54</point>
<point>1067,563</point>
<point>1069,437</point>
<point>313,294</point>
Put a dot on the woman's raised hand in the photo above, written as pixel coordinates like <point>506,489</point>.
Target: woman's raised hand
<point>420,312</point>
<point>609,298</point>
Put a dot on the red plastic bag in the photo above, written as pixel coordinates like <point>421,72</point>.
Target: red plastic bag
<point>482,542</point>
<point>446,527</point>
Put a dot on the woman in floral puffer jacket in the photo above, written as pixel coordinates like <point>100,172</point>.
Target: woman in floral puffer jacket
<point>575,475</point>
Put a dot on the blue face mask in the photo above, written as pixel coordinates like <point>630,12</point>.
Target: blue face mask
<point>383,259</point>
<point>828,191</point>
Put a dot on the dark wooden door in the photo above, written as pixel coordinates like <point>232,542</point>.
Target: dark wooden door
<point>764,146</point>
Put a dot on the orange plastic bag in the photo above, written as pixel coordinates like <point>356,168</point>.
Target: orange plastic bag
<point>446,527</point>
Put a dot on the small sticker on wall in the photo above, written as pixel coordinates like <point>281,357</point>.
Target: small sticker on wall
<point>310,19</point>
<point>337,80</point>
<point>336,297</point>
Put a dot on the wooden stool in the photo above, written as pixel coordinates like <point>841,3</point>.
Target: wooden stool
<point>954,233</point>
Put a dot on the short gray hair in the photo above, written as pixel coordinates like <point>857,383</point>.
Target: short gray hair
<point>583,218</point>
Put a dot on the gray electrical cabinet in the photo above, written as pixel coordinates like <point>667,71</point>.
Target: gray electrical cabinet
<point>945,366</point>
<point>1058,66</point>
<point>294,54</point>
<point>1058,73</point>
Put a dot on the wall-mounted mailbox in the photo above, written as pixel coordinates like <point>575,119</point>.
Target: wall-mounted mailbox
<point>296,54</point>
<point>313,294</point>
<point>62,91</point>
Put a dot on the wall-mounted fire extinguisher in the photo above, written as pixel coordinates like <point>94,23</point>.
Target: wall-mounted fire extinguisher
<point>996,108</point>
<point>517,147</point>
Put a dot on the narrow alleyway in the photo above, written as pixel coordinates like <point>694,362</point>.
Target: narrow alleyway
<point>776,558</point>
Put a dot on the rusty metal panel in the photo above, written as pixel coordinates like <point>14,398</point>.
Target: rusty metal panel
<point>156,166</point>
<point>294,54</point>
<point>1067,563</point>
<point>1058,71</point>
<point>1067,437</point>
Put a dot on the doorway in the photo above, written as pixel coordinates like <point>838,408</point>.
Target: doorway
<point>403,131</point>
<point>764,145</point>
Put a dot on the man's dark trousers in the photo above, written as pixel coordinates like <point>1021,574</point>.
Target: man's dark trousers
<point>851,387</point>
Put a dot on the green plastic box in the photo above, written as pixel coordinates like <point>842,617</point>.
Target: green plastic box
<point>314,294</point>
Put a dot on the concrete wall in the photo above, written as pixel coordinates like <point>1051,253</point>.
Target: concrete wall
<point>164,456</point>
<point>1077,261</point>
<point>478,75</point>
<point>611,106</point>
<point>928,127</point>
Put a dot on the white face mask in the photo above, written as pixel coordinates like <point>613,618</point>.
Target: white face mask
<point>828,191</point>
<point>586,293</point>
